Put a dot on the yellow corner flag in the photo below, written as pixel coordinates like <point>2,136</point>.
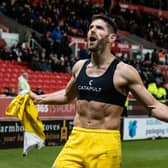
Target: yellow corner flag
<point>24,109</point>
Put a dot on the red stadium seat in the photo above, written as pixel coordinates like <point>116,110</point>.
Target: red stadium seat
<point>48,81</point>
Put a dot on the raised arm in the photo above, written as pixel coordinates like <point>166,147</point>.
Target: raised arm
<point>63,96</point>
<point>59,97</point>
<point>136,86</point>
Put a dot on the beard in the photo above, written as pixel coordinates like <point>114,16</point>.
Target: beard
<point>99,45</point>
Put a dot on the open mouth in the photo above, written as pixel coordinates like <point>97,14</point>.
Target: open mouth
<point>92,39</point>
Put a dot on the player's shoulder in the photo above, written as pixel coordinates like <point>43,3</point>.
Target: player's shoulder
<point>78,65</point>
<point>126,70</point>
<point>80,62</point>
<point>124,66</point>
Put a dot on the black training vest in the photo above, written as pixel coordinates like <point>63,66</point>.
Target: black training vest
<point>99,88</point>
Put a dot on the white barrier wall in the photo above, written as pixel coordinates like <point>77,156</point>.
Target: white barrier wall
<point>144,128</point>
<point>10,38</point>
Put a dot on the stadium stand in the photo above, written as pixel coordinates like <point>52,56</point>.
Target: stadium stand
<point>48,81</point>
<point>40,28</point>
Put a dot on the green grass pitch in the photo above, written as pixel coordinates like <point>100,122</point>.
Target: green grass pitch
<point>136,154</point>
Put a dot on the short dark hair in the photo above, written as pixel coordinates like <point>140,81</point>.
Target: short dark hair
<point>111,24</point>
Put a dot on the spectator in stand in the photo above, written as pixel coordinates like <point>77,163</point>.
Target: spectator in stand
<point>8,91</point>
<point>56,34</point>
<point>152,88</point>
<point>35,62</point>
<point>46,42</point>
<point>154,58</point>
<point>158,90</point>
<point>66,49</point>
<point>5,91</point>
<point>162,57</point>
<point>67,65</point>
<point>3,7</point>
<point>147,63</point>
<point>156,81</point>
<point>161,91</point>
<point>44,63</point>
<point>158,75</point>
<point>23,85</point>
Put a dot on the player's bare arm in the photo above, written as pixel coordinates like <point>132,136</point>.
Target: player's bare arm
<point>59,97</point>
<point>63,96</point>
<point>136,86</point>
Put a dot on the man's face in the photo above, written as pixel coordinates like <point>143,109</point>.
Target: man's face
<point>97,36</point>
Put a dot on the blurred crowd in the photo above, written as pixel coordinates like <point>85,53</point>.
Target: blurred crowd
<point>57,20</point>
<point>151,75</point>
<point>158,4</point>
<point>150,27</point>
<point>54,18</point>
